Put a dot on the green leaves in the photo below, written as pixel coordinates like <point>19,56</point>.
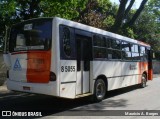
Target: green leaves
<point>68,9</point>
<point>98,13</point>
<point>147,26</point>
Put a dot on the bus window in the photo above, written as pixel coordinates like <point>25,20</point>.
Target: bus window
<point>99,52</point>
<point>20,40</point>
<point>113,50</point>
<point>135,52</point>
<point>142,50</point>
<point>66,42</point>
<point>115,44</point>
<point>126,51</point>
<point>35,35</point>
<point>125,46</point>
<point>99,43</point>
<point>114,54</point>
<point>143,53</point>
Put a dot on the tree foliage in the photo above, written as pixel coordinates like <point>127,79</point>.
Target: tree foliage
<point>68,9</point>
<point>142,23</point>
<point>27,9</point>
<point>6,14</point>
<point>123,11</point>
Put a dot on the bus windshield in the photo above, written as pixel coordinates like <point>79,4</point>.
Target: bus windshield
<point>31,35</point>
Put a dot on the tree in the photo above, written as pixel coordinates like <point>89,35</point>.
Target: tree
<point>123,12</point>
<point>6,14</point>
<point>27,9</point>
<point>137,13</point>
<point>97,13</point>
<point>68,9</point>
<point>147,26</point>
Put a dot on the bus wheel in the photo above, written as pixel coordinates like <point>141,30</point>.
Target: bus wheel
<point>143,81</point>
<point>99,90</point>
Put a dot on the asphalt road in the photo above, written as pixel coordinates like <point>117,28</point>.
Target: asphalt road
<point>131,98</point>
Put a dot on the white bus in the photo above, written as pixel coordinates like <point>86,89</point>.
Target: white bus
<point>58,57</point>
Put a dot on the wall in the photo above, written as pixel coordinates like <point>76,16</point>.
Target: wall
<point>2,70</point>
<point>156,67</point>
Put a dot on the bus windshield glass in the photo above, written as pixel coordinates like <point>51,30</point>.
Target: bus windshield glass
<point>31,35</point>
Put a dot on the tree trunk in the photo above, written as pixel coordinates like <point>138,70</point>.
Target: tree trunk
<point>129,8</point>
<point>120,15</point>
<point>136,15</point>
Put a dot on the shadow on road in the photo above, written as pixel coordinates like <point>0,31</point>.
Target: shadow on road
<point>52,105</point>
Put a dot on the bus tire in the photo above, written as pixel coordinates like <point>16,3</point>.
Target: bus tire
<point>99,90</point>
<point>143,81</point>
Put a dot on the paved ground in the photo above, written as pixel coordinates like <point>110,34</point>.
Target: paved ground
<point>131,98</point>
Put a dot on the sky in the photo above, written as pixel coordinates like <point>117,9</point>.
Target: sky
<point>135,5</point>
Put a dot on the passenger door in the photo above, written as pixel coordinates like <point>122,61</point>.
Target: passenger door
<point>84,56</point>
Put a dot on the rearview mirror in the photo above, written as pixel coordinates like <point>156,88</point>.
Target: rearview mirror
<point>1,44</point>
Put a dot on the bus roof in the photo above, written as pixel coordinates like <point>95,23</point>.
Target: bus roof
<point>89,29</point>
<point>96,30</point>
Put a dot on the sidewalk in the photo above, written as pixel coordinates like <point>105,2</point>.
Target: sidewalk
<point>156,75</point>
<point>3,89</point>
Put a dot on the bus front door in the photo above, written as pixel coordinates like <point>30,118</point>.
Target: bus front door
<point>84,55</point>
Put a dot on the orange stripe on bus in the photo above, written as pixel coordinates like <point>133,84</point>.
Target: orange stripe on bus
<point>38,66</point>
<point>150,74</point>
<point>143,67</point>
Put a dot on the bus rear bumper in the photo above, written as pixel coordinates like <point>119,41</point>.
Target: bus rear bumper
<point>38,88</point>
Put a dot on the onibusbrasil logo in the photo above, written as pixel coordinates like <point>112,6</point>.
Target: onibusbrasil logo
<point>20,114</point>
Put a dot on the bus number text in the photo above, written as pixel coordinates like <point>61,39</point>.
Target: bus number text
<point>67,68</point>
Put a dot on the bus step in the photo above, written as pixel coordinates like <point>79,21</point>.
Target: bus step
<point>83,95</point>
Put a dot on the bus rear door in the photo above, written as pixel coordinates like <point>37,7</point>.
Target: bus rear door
<point>84,56</point>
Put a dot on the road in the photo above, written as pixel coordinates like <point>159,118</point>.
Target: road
<point>132,98</point>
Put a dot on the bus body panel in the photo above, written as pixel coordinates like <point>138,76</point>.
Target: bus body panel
<point>39,88</point>
<point>34,70</point>
<point>55,58</point>
<point>7,59</point>
<point>18,70</point>
<point>68,78</point>
<point>38,66</point>
<point>150,74</point>
<point>96,30</point>
<point>104,67</point>
<point>69,84</point>
<point>122,75</point>
<point>30,66</point>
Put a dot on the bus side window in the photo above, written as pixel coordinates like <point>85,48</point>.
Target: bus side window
<point>135,52</point>
<point>143,53</point>
<point>126,51</point>
<point>114,51</point>
<point>99,44</point>
<point>67,42</point>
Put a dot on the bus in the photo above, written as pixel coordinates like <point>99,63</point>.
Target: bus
<point>63,58</point>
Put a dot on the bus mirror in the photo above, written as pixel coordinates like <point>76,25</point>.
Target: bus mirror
<point>1,44</point>
<point>153,55</point>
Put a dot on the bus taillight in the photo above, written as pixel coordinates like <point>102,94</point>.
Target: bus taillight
<point>52,76</point>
